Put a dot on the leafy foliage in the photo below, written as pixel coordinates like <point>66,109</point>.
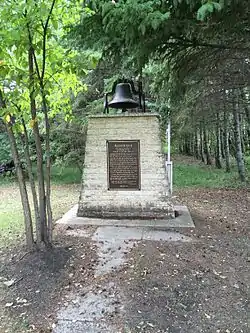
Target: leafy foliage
<point>208,8</point>
<point>5,154</point>
<point>39,79</point>
<point>188,53</point>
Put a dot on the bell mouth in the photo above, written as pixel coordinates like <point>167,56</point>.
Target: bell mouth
<point>130,104</point>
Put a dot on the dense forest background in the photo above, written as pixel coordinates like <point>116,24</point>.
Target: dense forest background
<point>58,59</point>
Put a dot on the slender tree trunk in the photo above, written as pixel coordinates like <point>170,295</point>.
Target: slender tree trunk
<point>48,167</point>
<point>23,190</point>
<point>191,145</point>
<point>186,145</point>
<point>196,144</point>
<point>247,115</point>
<point>226,128</point>
<point>201,144</point>
<point>218,143</point>
<point>242,132</point>
<point>39,153</point>
<point>25,142</point>
<point>180,147</point>
<point>237,134</point>
<point>226,142</point>
<point>46,208</point>
<point>206,147</point>
<point>248,127</point>
<point>245,138</point>
<point>21,182</point>
<point>222,141</point>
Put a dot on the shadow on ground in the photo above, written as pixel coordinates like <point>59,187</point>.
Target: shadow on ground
<point>39,283</point>
<point>163,286</point>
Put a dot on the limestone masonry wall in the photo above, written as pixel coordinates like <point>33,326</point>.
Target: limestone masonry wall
<point>153,198</point>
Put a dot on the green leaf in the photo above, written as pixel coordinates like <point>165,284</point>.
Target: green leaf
<point>217,6</point>
<point>205,9</point>
<point>210,7</point>
<point>54,23</point>
<point>16,34</point>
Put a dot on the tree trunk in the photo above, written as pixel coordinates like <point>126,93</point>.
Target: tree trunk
<point>247,111</point>
<point>237,135</point>
<point>201,144</point>
<point>247,114</point>
<point>186,145</point>
<point>48,167</point>
<point>242,132</point>
<point>40,172</point>
<point>21,183</point>
<point>180,147</point>
<point>226,142</point>
<point>23,190</point>
<point>225,128</point>
<point>25,143</point>
<point>196,145</point>
<point>206,147</point>
<point>222,147</point>
<point>218,143</point>
<point>190,142</point>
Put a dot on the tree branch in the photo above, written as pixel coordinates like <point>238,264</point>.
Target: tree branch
<point>33,52</point>
<point>45,28</point>
<point>2,100</point>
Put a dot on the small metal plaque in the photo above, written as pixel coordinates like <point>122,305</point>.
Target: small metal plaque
<point>124,165</point>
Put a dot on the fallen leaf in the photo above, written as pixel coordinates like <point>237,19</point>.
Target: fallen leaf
<point>8,305</point>
<point>9,283</point>
<point>19,300</point>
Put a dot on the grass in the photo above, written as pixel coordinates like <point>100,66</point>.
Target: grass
<point>188,173</point>
<point>65,193</point>
<point>59,175</point>
<point>66,188</point>
<point>68,175</point>
<point>11,214</point>
<point>196,176</point>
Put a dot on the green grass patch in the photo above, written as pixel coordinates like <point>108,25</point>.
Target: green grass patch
<point>191,175</point>
<point>66,188</point>
<point>11,216</point>
<point>66,175</point>
<point>59,175</point>
<point>63,197</point>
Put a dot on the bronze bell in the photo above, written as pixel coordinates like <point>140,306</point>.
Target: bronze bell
<point>123,98</point>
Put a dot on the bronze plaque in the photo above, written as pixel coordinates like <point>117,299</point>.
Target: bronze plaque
<point>124,165</point>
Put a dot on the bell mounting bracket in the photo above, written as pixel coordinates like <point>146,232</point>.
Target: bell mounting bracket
<point>138,92</point>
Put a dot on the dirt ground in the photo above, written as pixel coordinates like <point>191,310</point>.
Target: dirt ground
<point>201,286</point>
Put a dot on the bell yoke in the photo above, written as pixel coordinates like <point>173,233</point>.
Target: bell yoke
<point>125,96</point>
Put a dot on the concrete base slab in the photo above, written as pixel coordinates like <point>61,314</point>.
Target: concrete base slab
<point>88,312</point>
<point>183,220</point>
<point>121,234</point>
<point>114,242</point>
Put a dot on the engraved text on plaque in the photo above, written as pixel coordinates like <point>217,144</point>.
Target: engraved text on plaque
<point>124,165</point>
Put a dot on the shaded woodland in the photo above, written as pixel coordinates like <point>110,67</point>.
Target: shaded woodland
<point>57,59</point>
